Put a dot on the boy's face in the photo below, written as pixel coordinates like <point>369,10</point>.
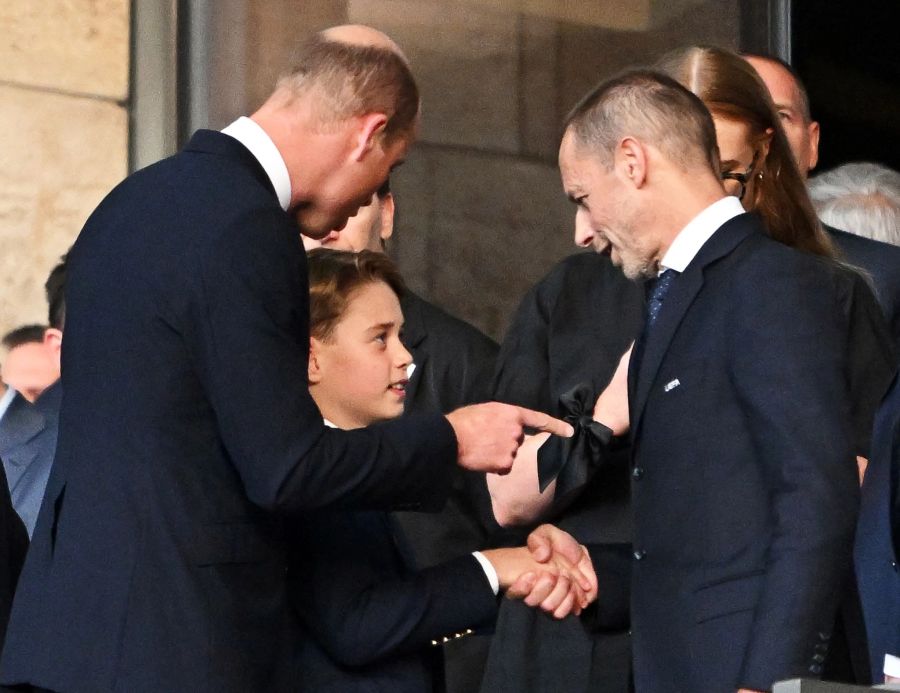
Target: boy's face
<point>358,376</point>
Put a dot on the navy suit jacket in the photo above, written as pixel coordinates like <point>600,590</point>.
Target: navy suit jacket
<point>744,483</point>
<point>376,624</point>
<point>186,435</point>
<point>878,536</point>
<point>28,435</point>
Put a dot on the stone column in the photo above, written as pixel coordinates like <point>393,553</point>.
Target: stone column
<point>63,135</point>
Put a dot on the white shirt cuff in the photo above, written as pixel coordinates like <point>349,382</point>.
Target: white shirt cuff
<point>892,666</point>
<point>490,573</point>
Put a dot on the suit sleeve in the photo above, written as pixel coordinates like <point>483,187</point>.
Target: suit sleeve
<point>612,563</point>
<point>360,608</point>
<point>789,374</point>
<point>248,330</point>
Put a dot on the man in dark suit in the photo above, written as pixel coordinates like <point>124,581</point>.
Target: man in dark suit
<point>880,260</point>
<point>28,367</point>
<point>187,435</point>
<point>452,367</point>
<point>744,479</point>
<point>28,431</point>
<point>878,538</point>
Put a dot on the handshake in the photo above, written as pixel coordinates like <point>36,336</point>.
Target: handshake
<point>553,573</point>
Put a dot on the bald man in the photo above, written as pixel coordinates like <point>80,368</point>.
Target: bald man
<point>187,435</point>
<point>881,261</point>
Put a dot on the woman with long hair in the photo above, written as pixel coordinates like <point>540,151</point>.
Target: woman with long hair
<point>757,163</point>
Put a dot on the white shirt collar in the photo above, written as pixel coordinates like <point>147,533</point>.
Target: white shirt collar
<point>261,146</point>
<point>328,423</point>
<point>699,230</point>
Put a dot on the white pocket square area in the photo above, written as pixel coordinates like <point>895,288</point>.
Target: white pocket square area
<point>671,385</point>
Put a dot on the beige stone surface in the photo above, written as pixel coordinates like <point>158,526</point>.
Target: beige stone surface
<point>466,63</point>
<point>274,28</point>
<point>61,155</point>
<point>494,226</point>
<point>70,45</point>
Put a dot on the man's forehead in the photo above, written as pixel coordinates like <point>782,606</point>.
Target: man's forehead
<point>780,82</point>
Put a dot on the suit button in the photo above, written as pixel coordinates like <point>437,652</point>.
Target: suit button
<point>818,658</point>
<point>639,554</point>
<point>895,566</point>
<point>637,473</point>
<point>815,669</point>
<point>824,637</point>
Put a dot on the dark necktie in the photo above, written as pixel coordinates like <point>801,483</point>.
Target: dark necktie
<point>656,293</point>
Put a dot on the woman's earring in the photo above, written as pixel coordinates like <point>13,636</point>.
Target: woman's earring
<point>760,175</point>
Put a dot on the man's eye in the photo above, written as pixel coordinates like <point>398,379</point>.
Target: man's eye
<point>381,338</point>
<point>784,115</point>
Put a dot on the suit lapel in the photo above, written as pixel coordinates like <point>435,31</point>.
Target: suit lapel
<point>680,297</point>
<point>675,306</point>
<point>22,422</point>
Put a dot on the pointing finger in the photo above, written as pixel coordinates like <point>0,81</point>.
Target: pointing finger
<point>544,422</point>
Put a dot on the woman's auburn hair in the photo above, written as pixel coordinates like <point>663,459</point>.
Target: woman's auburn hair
<point>731,89</point>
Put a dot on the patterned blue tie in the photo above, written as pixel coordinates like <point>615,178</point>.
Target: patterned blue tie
<point>658,289</point>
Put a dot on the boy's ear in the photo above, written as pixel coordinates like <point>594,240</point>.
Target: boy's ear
<point>314,370</point>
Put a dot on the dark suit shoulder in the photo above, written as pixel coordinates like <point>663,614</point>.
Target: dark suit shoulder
<point>579,271</point>
<point>424,317</point>
<point>881,262</point>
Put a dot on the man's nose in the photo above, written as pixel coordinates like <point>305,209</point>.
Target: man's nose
<point>584,234</point>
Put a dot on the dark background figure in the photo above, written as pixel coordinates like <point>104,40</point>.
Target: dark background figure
<point>878,538</point>
<point>13,547</point>
<point>862,198</point>
<point>880,260</point>
<point>28,431</point>
<point>28,366</point>
<point>571,328</point>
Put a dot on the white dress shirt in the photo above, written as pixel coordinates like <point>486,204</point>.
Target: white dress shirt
<point>261,146</point>
<point>699,230</point>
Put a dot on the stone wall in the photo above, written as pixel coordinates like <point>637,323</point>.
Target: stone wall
<point>63,135</point>
<point>481,210</point>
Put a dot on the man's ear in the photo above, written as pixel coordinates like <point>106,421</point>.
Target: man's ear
<point>53,341</point>
<point>314,369</point>
<point>387,217</point>
<point>813,129</point>
<point>367,134</point>
<point>631,161</point>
